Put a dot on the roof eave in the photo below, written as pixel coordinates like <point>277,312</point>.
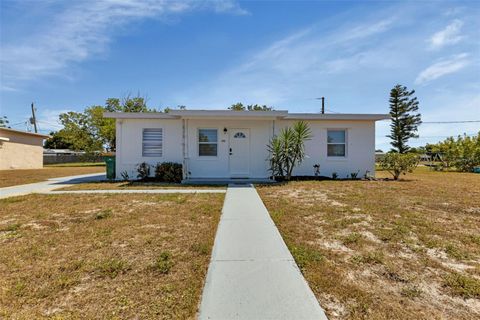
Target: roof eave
<point>38,135</point>
<point>337,116</point>
<point>139,115</point>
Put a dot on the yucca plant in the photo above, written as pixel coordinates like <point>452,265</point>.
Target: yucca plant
<point>275,149</point>
<point>287,150</point>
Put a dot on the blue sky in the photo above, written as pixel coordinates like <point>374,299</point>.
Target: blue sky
<point>66,55</point>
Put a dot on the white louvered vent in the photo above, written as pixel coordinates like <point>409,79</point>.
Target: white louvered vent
<point>152,142</point>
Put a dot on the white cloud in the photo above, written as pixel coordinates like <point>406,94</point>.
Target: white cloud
<point>296,66</point>
<point>449,35</point>
<point>84,29</point>
<point>48,119</point>
<point>442,68</point>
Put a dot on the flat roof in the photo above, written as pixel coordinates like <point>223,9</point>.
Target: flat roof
<point>337,116</point>
<point>38,135</point>
<point>277,114</point>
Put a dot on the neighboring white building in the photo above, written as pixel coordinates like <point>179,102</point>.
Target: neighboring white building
<point>233,144</point>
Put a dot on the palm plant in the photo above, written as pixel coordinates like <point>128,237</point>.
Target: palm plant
<point>287,150</point>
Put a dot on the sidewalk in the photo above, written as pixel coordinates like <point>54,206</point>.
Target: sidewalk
<point>49,185</point>
<point>252,275</point>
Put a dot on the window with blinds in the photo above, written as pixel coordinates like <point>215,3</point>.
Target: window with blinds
<point>152,142</point>
<point>336,143</point>
<point>207,142</point>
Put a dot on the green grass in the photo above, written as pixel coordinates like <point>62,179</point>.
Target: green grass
<point>164,263</point>
<point>112,267</point>
<point>304,255</point>
<point>463,285</point>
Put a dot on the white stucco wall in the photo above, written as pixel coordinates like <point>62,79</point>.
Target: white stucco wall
<point>360,153</point>
<point>218,167</point>
<point>129,144</point>
<point>360,146</point>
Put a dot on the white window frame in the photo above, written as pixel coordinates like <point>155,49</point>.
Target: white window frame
<point>335,143</point>
<point>159,143</point>
<point>200,142</point>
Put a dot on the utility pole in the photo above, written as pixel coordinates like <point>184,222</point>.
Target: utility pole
<point>33,119</point>
<point>323,104</point>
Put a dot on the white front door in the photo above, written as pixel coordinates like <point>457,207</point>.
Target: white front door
<point>239,151</point>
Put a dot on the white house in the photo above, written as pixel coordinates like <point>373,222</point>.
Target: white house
<point>233,144</point>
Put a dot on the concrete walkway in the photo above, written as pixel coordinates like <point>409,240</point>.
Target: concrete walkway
<point>252,275</point>
<point>49,185</point>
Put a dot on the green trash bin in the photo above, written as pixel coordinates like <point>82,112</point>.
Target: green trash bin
<point>110,165</point>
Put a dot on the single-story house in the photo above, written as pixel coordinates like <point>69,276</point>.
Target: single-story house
<point>217,144</point>
<point>20,149</point>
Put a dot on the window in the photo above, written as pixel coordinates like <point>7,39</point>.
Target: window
<point>207,142</point>
<point>152,142</point>
<point>240,135</point>
<point>336,143</point>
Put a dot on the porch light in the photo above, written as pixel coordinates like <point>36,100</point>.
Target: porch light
<point>225,130</point>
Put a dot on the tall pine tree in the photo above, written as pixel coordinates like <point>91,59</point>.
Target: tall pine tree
<point>405,118</point>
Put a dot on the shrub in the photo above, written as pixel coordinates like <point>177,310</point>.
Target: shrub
<point>103,214</point>
<point>398,163</point>
<point>112,267</point>
<point>164,263</point>
<point>125,176</point>
<point>143,170</point>
<point>169,172</point>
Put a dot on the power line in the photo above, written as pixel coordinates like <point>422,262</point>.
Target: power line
<point>458,121</point>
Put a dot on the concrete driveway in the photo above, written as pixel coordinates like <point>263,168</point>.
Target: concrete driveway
<point>49,185</point>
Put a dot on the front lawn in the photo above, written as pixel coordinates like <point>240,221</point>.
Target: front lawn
<point>16,177</point>
<point>105,256</point>
<point>385,249</point>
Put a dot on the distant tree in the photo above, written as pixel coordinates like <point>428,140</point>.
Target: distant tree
<point>56,141</point>
<point>4,122</point>
<point>179,107</point>
<point>257,107</point>
<point>237,107</point>
<point>77,131</point>
<point>418,150</point>
<point>251,107</point>
<point>405,118</point>
<point>462,153</point>
<point>127,104</point>
<point>90,130</point>
<point>379,150</point>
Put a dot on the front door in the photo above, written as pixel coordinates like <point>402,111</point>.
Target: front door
<point>239,153</point>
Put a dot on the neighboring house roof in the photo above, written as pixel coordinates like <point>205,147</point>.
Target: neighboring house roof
<point>9,130</point>
<point>61,151</point>
<point>220,114</point>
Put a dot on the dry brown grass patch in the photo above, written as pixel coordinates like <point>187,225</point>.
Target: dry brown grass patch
<point>105,256</point>
<point>396,250</point>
